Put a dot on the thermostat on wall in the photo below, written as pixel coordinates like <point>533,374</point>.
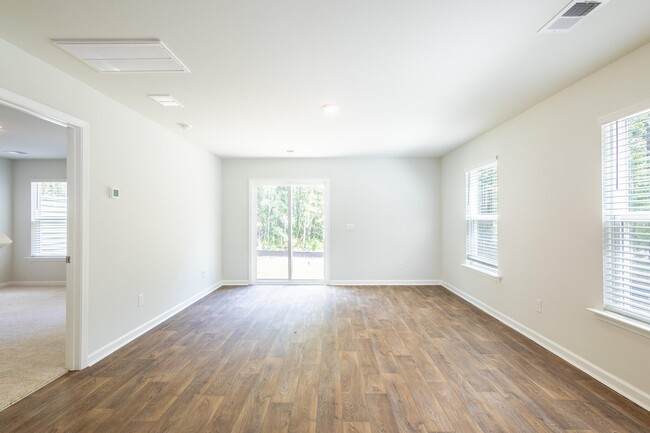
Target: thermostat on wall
<point>115,193</point>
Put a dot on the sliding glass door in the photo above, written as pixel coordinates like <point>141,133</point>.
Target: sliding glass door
<point>289,230</point>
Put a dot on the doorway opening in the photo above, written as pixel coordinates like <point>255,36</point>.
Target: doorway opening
<point>76,232</point>
<point>289,231</point>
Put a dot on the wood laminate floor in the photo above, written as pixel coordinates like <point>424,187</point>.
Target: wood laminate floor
<point>331,360</point>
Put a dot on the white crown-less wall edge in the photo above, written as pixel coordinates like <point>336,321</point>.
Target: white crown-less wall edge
<point>125,339</point>
<point>624,388</point>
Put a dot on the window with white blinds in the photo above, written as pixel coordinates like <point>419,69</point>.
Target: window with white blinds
<point>626,216</point>
<point>482,249</point>
<point>49,219</point>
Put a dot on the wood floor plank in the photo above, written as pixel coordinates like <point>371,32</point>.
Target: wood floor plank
<point>381,414</point>
<point>329,417</point>
<point>277,418</point>
<point>305,407</point>
<point>308,359</point>
<point>352,389</point>
<point>357,427</point>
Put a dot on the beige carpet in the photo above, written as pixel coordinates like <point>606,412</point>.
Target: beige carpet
<point>32,340</point>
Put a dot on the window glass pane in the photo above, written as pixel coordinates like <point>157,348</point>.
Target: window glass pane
<point>49,219</point>
<point>272,232</point>
<point>308,209</point>
<point>481,216</point>
<point>626,216</point>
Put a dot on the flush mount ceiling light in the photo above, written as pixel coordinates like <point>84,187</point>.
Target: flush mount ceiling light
<point>571,15</point>
<point>14,152</point>
<point>330,108</point>
<point>115,56</point>
<point>166,100</point>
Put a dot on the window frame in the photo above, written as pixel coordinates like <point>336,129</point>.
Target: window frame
<point>476,262</point>
<point>44,257</point>
<point>612,218</point>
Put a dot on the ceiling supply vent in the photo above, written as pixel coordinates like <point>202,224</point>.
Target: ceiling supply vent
<point>124,56</point>
<point>571,15</point>
<point>166,100</point>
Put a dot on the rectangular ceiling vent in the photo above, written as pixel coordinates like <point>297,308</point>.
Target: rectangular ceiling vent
<point>124,56</point>
<point>166,100</point>
<point>571,15</point>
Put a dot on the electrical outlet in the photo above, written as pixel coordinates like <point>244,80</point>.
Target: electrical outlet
<point>140,299</point>
<point>538,305</point>
<point>203,273</point>
<point>402,265</point>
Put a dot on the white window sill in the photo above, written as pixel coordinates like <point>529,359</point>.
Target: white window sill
<point>45,259</point>
<point>622,322</point>
<point>484,272</point>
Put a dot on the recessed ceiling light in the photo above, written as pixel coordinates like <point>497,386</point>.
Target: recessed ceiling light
<point>185,126</point>
<point>14,152</point>
<point>330,108</point>
<point>166,100</point>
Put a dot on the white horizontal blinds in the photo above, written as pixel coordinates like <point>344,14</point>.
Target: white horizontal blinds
<point>626,216</point>
<point>49,219</point>
<point>481,217</point>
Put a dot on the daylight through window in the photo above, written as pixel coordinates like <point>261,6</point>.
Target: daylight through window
<point>626,216</point>
<point>49,219</point>
<point>481,218</point>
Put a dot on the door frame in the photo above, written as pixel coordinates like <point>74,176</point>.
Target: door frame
<point>253,183</point>
<point>76,341</point>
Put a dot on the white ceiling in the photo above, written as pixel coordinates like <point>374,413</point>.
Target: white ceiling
<point>414,77</point>
<point>23,132</point>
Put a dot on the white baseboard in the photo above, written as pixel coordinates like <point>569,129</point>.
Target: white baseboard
<point>116,344</point>
<point>32,284</point>
<point>349,283</point>
<point>624,388</point>
<point>385,282</point>
<point>235,283</point>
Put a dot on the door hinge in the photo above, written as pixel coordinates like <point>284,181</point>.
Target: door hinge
<point>67,259</point>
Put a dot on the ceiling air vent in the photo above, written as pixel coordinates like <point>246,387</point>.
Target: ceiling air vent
<point>571,15</point>
<point>124,56</point>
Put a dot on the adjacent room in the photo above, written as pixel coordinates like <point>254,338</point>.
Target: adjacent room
<point>420,216</point>
<point>32,258</point>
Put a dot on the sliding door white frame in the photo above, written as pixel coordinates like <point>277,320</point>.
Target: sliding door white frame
<point>252,244</point>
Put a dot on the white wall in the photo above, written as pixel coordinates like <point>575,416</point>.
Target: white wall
<point>25,171</point>
<point>6,218</point>
<point>550,220</point>
<point>164,230</point>
<point>394,203</point>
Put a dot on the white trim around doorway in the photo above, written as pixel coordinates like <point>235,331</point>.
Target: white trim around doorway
<point>78,197</point>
